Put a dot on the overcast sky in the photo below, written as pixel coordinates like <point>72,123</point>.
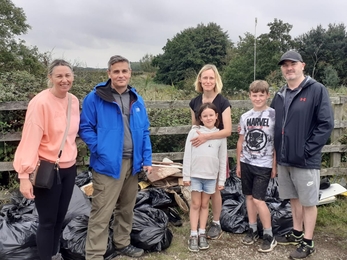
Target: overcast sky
<point>90,31</point>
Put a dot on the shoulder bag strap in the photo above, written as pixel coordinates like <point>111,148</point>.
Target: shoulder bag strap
<point>67,128</point>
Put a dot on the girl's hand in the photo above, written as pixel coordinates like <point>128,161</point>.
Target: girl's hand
<point>220,187</point>
<point>26,188</point>
<point>186,183</point>
<point>200,139</point>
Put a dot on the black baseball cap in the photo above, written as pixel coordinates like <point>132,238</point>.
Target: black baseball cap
<point>290,55</point>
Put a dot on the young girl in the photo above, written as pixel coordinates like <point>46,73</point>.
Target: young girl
<point>201,166</point>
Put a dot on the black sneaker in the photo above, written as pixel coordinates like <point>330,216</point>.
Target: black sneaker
<point>268,244</point>
<point>131,251</point>
<point>193,244</point>
<point>250,237</point>
<point>303,250</point>
<point>289,239</point>
<point>215,231</point>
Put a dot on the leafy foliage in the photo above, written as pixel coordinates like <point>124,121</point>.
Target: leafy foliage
<point>146,63</point>
<point>323,47</point>
<point>239,73</point>
<point>12,20</point>
<point>331,77</point>
<point>19,86</point>
<point>188,51</point>
<point>14,54</point>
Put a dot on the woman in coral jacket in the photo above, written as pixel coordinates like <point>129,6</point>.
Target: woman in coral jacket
<point>43,131</point>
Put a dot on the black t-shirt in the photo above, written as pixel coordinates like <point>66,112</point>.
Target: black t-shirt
<point>219,101</point>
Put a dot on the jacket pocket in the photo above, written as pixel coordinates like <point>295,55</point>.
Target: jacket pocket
<point>294,152</point>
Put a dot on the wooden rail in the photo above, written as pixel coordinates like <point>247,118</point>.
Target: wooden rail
<point>335,148</point>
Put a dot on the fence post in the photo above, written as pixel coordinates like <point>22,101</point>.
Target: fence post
<point>335,158</point>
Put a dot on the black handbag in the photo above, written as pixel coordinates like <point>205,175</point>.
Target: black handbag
<point>43,176</point>
<point>45,171</point>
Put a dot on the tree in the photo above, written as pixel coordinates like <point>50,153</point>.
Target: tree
<point>12,20</point>
<point>310,46</point>
<point>189,50</point>
<point>239,72</point>
<point>324,47</point>
<point>270,46</point>
<point>331,78</point>
<point>14,55</point>
<point>146,63</point>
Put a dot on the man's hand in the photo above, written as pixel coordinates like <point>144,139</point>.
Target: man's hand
<point>147,169</point>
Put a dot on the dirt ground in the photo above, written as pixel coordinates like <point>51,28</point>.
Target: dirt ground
<point>230,247</point>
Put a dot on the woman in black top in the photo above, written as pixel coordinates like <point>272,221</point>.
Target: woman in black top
<point>209,84</point>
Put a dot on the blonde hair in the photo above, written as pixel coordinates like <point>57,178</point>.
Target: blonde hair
<point>259,86</point>
<point>219,85</point>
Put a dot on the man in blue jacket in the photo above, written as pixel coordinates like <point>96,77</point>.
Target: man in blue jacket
<point>303,123</point>
<point>115,126</point>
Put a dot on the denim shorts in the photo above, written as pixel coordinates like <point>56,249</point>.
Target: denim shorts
<point>203,185</point>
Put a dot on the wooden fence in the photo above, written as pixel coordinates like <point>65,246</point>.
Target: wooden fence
<point>335,148</point>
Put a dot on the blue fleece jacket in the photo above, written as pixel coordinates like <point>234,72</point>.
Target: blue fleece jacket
<point>102,129</point>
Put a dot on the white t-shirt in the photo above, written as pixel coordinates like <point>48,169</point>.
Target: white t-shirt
<point>258,130</point>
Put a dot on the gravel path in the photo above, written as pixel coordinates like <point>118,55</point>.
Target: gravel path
<point>230,247</point>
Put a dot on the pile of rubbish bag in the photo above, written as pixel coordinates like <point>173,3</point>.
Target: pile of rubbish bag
<point>234,214</point>
<point>153,211</point>
<point>155,208</point>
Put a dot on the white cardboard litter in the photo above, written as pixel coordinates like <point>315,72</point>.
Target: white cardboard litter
<point>327,200</point>
<point>333,190</point>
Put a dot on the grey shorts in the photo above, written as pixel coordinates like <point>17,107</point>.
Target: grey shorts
<point>298,183</point>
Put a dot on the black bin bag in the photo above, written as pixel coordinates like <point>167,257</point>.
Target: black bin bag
<point>79,205</point>
<point>234,214</point>
<point>83,178</point>
<point>150,229</point>
<point>18,228</point>
<point>73,240</point>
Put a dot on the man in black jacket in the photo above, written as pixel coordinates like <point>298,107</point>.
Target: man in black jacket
<point>304,121</point>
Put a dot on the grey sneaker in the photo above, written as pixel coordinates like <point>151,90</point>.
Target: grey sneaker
<point>193,244</point>
<point>203,244</point>
<point>131,251</point>
<point>250,237</point>
<point>268,244</point>
<point>303,250</point>
<point>289,239</point>
<point>215,231</point>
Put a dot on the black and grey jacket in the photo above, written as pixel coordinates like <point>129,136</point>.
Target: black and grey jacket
<point>301,133</point>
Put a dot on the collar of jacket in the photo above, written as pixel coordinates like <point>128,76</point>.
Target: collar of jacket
<point>104,91</point>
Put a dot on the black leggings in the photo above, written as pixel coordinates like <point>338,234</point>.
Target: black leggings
<point>52,205</point>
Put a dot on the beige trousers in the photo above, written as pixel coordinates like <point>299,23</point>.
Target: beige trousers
<point>110,196</point>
